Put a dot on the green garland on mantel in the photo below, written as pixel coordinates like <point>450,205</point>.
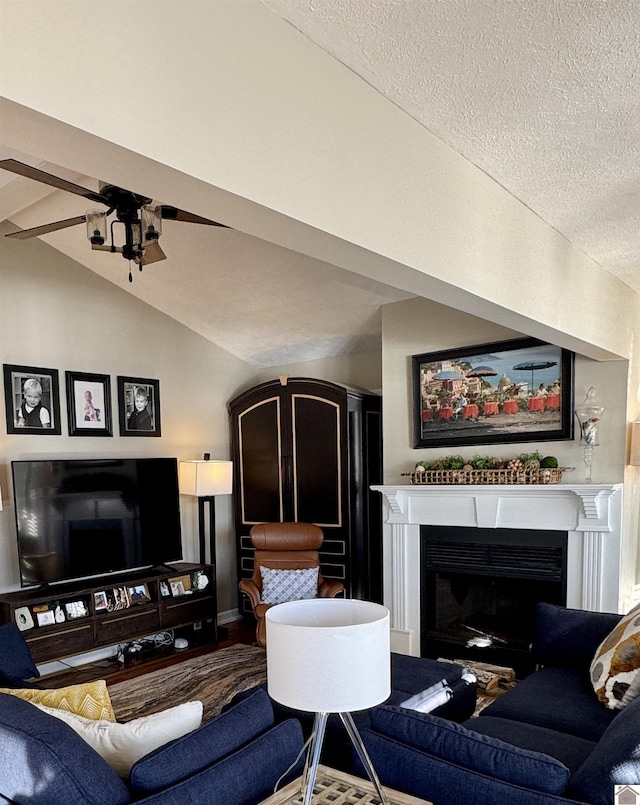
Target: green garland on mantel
<point>529,461</point>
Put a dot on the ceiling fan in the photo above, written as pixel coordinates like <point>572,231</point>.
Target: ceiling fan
<point>140,219</point>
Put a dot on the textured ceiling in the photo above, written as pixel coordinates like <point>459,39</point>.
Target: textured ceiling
<point>540,94</point>
<point>543,95</point>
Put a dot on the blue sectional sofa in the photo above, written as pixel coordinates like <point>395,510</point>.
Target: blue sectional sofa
<point>548,741</point>
<point>235,759</point>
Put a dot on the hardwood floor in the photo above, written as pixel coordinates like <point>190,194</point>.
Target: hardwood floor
<point>114,671</point>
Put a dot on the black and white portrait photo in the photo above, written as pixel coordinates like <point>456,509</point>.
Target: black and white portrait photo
<point>32,400</point>
<point>139,402</point>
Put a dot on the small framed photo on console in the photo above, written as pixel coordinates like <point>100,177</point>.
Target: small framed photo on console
<point>46,618</point>
<point>24,618</point>
<point>180,585</point>
<point>100,601</point>
<point>76,609</point>
<point>117,598</point>
<point>139,594</point>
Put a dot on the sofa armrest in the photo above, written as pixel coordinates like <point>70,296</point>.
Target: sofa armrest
<point>180,759</point>
<point>434,779</point>
<point>471,750</point>
<point>246,777</point>
<point>569,637</point>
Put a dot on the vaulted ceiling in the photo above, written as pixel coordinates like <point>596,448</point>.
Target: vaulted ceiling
<point>543,96</point>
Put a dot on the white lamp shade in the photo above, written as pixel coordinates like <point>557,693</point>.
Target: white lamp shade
<point>328,655</point>
<point>205,478</point>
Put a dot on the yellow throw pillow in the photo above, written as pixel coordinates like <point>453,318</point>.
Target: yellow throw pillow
<point>615,669</point>
<point>90,700</point>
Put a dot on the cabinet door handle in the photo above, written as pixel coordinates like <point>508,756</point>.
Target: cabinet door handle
<point>121,618</point>
<point>59,632</point>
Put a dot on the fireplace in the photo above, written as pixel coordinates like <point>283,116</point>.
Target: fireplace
<point>480,587</point>
<point>589,515</point>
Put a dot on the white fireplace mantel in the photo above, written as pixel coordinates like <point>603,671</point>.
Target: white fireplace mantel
<point>589,513</point>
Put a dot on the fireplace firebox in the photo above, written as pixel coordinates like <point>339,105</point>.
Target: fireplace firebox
<point>480,587</point>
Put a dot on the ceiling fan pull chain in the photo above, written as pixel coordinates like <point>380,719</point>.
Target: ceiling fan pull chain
<point>130,275</point>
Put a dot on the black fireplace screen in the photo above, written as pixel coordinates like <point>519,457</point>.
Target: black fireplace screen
<point>480,587</point>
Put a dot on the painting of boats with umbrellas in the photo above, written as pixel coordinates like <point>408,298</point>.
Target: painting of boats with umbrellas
<point>506,391</point>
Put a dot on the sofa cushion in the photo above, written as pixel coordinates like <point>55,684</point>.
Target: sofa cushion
<point>279,586</point>
<point>569,637</point>
<point>614,761</point>
<point>16,662</point>
<point>121,745</point>
<point>456,744</point>
<point>560,699</point>
<point>217,738</point>
<point>248,775</point>
<point>570,750</point>
<point>44,762</point>
<point>616,664</point>
<point>89,700</point>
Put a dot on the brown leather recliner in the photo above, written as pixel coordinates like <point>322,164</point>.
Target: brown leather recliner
<point>286,546</point>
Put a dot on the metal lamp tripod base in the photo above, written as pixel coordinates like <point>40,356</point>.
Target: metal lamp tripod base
<point>313,756</point>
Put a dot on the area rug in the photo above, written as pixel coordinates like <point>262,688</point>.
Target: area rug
<point>214,679</point>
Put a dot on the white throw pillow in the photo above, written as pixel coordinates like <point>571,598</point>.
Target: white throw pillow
<point>121,745</point>
<point>279,586</point>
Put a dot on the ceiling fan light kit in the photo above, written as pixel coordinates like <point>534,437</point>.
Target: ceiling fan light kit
<point>140,218</point>
<point>142,230</point>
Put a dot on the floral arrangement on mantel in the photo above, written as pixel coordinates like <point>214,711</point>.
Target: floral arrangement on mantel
<point>525,468</point>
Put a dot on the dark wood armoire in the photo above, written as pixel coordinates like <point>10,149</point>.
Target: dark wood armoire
<point>306,450</point>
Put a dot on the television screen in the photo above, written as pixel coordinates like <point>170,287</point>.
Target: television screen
<point>87,517</point>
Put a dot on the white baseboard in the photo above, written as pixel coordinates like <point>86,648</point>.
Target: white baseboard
<point>228,616</point>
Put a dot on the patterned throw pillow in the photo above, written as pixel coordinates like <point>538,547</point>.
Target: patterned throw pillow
<point>615,669</point>
<point>90,700</point>
<point>279,586</point>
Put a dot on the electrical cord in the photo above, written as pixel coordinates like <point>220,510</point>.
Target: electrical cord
<point>295,762</point>
<point>144,644</point>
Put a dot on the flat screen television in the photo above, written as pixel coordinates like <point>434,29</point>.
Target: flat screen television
<point>87,517</point>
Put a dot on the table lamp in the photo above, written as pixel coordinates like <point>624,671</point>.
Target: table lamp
<point>329,655</point>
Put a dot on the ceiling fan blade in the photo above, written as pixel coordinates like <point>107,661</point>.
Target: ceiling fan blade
<point>48,178</point>
<point>24,234</point>
<point>169,213</point>
<point>152,254</point>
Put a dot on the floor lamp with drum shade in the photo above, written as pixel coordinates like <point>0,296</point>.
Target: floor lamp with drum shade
<point>206,479</point>
<point>329,655</point>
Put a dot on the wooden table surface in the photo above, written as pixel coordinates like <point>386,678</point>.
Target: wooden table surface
<point>335,787</point>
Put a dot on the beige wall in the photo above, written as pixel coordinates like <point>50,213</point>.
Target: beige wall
<point>362,370</point>
<point>57,314</point>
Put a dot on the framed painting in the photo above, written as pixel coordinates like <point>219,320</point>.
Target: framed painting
<point>139,404</point>
<point>508,391</point>
<point>32,400</point>
<point>88,404</point>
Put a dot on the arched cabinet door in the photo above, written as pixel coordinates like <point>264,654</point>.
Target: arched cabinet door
<point>300,454</point>
<point>259,462</point>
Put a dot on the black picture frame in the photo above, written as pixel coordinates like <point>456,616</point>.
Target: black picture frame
<point>88,404</point>
<point>135,421</point>
<point>498,406</point>
<point>15,377</point>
